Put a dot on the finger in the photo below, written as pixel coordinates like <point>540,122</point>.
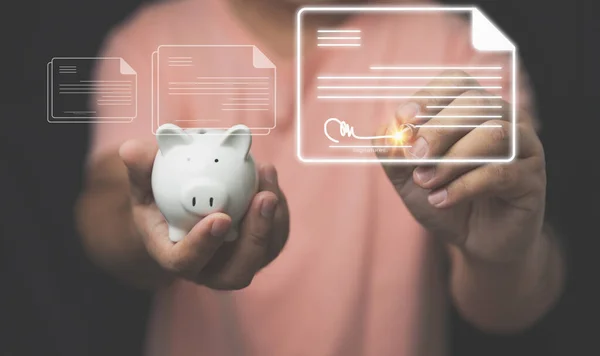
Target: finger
<point>424,104</point>
<point>154,231</point>
<point>251,249</point>
<point>435,96</point>
<point>279,232</point>
<point>490,140</point>
<point>513,180</point>
<point>390,149</point>
<point>444,129</point>
<point>432,98</point>
<point>268,180</point>
<point>138,157</point>
<point>187,257</point>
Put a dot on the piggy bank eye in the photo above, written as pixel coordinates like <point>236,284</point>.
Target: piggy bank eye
<point>216,160</point>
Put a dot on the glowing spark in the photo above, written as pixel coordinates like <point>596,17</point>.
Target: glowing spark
<point>399,136</point>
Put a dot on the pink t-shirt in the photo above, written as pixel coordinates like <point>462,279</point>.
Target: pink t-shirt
<point>359,276</point>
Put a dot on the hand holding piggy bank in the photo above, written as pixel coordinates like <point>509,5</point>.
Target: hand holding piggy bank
<point>200,172</point>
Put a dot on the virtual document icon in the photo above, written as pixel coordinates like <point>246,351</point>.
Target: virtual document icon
<point>193,80</point>
<point>371,68</point>
<point>71,90</point>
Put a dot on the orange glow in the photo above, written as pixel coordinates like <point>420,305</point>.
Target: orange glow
<point>399,136</point>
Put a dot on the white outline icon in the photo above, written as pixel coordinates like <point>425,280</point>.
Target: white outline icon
<point>64,79</point>
<point>485,37</point>
<point>232,92</point>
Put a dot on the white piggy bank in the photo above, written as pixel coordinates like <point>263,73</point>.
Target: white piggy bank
<point>199,172</point>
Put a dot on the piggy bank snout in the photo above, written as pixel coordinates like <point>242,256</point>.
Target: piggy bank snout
<point>204,197</point>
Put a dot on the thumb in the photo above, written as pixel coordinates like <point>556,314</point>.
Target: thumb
<point>138,157</point>
<point>394,139</point>
<point>268,179</point>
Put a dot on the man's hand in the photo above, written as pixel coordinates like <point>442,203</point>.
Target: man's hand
<point>202,256</point>
<point>492,212</point>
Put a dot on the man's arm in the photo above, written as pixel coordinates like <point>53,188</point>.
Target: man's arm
<point>104,211</point>
<point>104,220</point>
<point>509,297</point>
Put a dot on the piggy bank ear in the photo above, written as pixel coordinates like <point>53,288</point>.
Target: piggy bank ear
<point>239,138</point>
<point>169,136</point>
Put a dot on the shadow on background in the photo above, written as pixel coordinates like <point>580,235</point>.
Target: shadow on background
<point>559,48</point>
<point>54,302</point>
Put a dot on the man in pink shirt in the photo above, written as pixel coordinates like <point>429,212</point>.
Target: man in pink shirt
<point>373,253</point>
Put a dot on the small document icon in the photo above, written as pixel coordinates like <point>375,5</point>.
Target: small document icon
<point>71,90</point>
<point>368,77</point>
<point>193,80</point>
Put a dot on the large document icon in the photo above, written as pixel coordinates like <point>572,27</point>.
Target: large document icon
<point>340,110</point>
<point>193,87</point>
<point>71,90</point>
